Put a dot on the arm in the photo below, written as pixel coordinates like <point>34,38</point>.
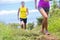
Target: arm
<point>27,11</point>
<point>36,4</point>
<point>18,13</point>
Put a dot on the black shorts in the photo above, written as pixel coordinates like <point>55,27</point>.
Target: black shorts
<point>24,20</point>
<point>46,9</point>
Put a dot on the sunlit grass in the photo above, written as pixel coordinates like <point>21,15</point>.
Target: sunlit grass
<point>11,32</point>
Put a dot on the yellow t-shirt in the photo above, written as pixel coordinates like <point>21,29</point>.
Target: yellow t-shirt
<point>23,11</point>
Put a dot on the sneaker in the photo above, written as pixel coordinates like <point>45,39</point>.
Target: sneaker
<point>47,33</point>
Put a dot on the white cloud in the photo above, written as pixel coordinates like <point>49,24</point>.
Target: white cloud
<point>30,11</point>
<point>5,12</point>
<point>13,1</point>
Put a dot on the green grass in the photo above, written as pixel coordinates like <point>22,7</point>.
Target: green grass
<point>11,32</point>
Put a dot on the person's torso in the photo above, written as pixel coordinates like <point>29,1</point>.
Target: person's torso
<point>23,11</point>
<point>43,3</point>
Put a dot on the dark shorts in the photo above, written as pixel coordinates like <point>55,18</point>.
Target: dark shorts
<point>24,20</point>
<point>46,9</point>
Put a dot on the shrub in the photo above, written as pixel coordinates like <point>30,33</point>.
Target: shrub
<point>39,21</point>
<point>30,26</point>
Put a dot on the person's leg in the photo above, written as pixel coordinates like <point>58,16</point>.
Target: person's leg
<point>46,27</point>
<point>42,30</point>
<point>45,16</point>
<point>25,21</point>
<point>24,25</point>
<point>21,24</point>
<point>46,21</point>
<point>46,24</point>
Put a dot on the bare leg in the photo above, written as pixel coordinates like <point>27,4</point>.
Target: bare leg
<point>46,26</point>
<point>44,23</point>
<point>42,30</point>
<point>24,26</point>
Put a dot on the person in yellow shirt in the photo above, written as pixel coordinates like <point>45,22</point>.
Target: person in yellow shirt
<point>22,15</point>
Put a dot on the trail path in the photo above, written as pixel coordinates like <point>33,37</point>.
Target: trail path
<point>47,37</point>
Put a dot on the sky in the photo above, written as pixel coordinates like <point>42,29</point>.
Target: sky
<point>9,10</point>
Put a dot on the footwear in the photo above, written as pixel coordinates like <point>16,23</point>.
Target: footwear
<point>47,33</point>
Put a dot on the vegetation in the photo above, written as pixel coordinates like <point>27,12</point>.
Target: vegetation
<point>39,20</point>
<point>11,32</point>
<point>30,26</point>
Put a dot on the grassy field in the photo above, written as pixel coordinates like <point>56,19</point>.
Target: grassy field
<point>11,32</point>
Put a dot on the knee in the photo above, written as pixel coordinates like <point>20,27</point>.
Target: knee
<point>46,17</point>
<point>22,23</point>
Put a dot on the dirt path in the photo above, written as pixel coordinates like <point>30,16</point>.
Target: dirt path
<point>47,37</point>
